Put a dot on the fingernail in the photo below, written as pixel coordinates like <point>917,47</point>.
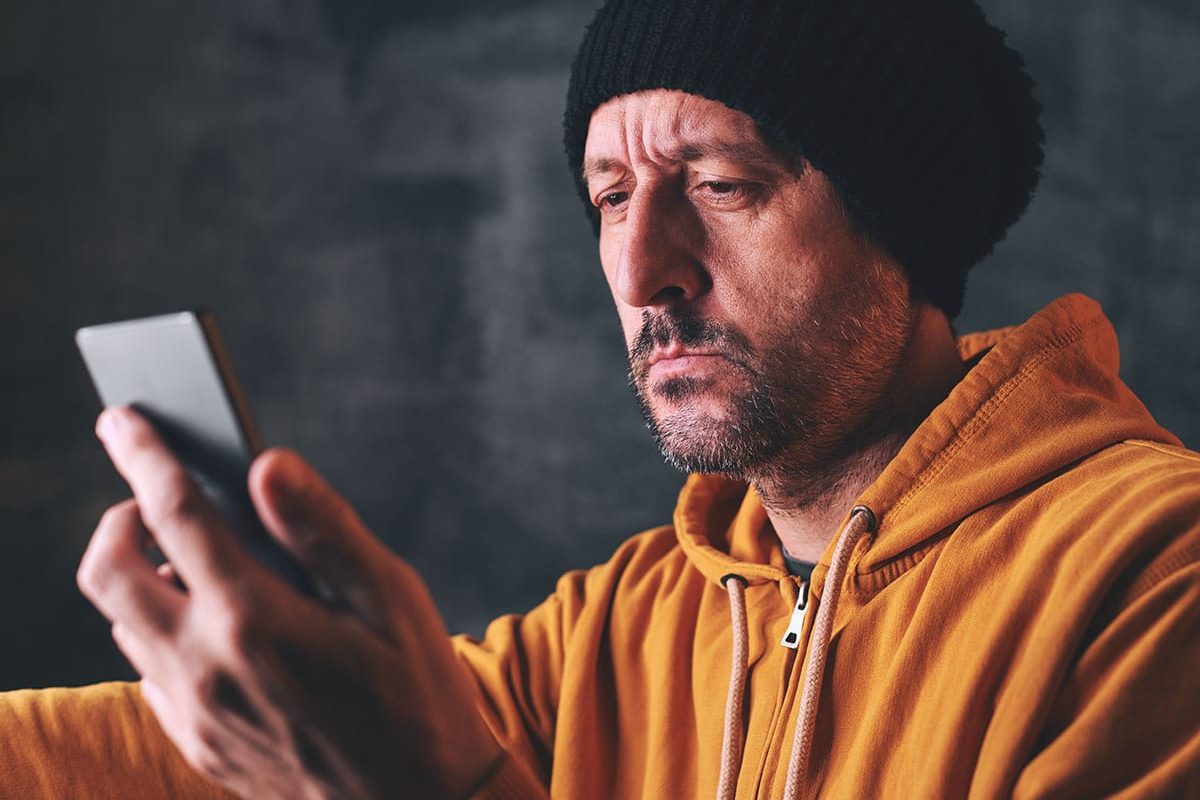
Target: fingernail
<point>111,421</point>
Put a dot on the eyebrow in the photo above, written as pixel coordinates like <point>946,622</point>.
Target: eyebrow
<point>744,152</point>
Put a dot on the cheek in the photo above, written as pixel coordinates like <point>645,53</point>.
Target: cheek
<point>762,277</point>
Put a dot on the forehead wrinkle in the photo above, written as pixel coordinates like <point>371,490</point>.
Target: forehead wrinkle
<point>677,134</point>
<point>741,152</point>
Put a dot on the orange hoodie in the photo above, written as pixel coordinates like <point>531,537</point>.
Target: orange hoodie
<point>1018,616</point>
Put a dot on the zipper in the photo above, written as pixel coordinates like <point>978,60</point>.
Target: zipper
<point>791,646</point>
<point>791,637</point>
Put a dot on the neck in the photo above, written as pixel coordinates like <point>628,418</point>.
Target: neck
<point>804,511</point>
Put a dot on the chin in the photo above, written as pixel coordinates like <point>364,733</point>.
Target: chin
<point>705,411</point>
<point>703,425</point>
<point>692,440</point>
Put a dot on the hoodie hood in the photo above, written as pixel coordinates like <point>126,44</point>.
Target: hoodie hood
<point>1043,395</point>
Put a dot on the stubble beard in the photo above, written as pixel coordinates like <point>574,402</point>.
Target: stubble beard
<point>752,430</point>
<point>807,408</point>
<point>750,433</point>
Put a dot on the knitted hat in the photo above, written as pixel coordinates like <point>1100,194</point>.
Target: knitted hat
<point>917,111</point>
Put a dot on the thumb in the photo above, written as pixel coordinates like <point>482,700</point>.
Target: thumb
<point>321,530</point>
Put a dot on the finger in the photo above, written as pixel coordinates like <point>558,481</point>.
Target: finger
<point>320,529</point>
<point>190,531</point>
<point>117,578</point>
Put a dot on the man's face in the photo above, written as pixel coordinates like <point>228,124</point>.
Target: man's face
<point>763,331</point>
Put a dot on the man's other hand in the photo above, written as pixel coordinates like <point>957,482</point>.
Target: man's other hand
<point>263,690</point>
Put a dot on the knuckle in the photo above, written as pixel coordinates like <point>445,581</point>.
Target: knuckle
<point>88,578</point>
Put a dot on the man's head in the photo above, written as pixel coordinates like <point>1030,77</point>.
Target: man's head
<point>764,330</point>
<point>786,195</point>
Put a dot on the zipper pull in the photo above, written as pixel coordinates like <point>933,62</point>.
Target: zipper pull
<point>791,637</point>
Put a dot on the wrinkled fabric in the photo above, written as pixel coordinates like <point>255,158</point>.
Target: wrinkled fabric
<point>93,743</point>
<point>1021,623</point>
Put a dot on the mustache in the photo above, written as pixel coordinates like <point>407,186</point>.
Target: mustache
<point>686,329</point>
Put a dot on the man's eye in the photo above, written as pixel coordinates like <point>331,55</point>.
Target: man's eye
<point>723,191</point>
<point>612,199</point>
<point>729,195</point>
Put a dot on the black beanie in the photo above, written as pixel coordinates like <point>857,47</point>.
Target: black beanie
<point>916,110</point>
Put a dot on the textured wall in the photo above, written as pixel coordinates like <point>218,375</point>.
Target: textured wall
<point>371,196</point>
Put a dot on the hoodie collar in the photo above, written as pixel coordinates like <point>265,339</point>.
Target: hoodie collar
<point>723,529</point>
<point>1043,396</point>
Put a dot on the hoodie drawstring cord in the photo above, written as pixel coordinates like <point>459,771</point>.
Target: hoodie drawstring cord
<point>731,738</point>
<point>862,520</point>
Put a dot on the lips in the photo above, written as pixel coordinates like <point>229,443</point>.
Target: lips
<point>677,353</point>
<point>679,362</point>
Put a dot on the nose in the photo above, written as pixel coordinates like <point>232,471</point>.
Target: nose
<point>658,257</point>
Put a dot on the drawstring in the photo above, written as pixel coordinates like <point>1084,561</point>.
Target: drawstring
<point>731,738</point>
<point>862,520</point>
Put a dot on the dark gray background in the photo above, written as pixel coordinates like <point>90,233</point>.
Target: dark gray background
<point>371,196</point>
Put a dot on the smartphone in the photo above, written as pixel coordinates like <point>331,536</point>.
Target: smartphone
<point>174,370</point>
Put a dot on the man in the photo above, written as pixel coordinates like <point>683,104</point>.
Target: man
<point>906,565</point>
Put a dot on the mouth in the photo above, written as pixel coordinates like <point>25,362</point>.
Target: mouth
<point>677,362</point>
<point>675,352</point>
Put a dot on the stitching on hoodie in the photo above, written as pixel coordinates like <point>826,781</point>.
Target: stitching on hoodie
<point>977,421</point>
<point>865,585</point>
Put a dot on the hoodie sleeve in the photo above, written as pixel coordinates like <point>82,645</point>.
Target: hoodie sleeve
<point>1128,721</point>
<point>92,742</point>
<point>520,664</point>
<point>518,668</point>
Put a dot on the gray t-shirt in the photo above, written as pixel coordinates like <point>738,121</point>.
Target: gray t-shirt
<point>801,569</point>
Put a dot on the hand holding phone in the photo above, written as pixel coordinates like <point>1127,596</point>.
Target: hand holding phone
<point>262,689</point>
<point>173,369</point>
